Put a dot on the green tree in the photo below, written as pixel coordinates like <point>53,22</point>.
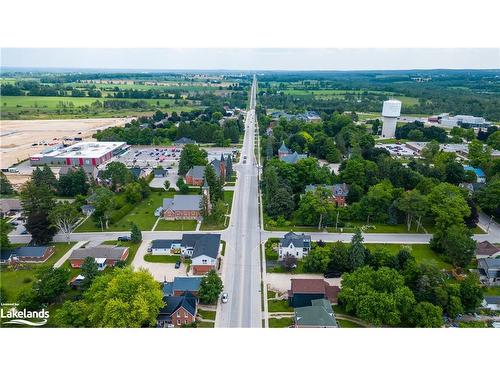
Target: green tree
<point>471,292</point>
<point>122,299</point>
<point>191,155</point>
<point>49,285</point>
<point>317,260</point>
<point>5,185</point>
<point>133,192</point>
<point>44,176</point>
<point>166,184</point>
<point>89,271</point>
<point>412,203</point>
<point>65,217</point>
<point>487,197</point>
<point>426,315</point>
<point>118,174</point>
<point>102,199</point>
<point>73,183</point>
<point>448,205</point>
<point>375,204</point>
<point>210,288</point>
<point>430,151</point>
<point>479,154</point>
<point>135,234</point>
<point>357,251</point>
<point>458,245</point>
<point>214,183</point>
<point>72,314</point>
<point>4,230</point>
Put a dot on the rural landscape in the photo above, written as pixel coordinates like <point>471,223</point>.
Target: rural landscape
<point>259,199</point>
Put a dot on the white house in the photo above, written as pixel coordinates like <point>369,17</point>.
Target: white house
<point>297,245</point>
<point>165,247</point>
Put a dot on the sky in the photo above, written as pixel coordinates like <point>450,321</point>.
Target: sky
<point>252,59</point>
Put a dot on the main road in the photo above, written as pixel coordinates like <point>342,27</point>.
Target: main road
<point>241,266</point>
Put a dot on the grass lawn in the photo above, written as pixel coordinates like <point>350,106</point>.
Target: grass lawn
<point>228,199</point>
<point>223,251</point>
<point>421,252</point>
<point>14,281</point>
<point>206,314</point>
<point>348,324</point>
<point>178,225</point>
<point>205,325</point>
<point>280,322</point>
<point>271,294</point>
<point>142,215</point>
<point>473,325</point>
<point>492,291</point>
<point>162,258</point>
<point>278,306</point>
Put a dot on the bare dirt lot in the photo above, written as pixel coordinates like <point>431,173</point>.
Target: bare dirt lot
<point>17,136</point>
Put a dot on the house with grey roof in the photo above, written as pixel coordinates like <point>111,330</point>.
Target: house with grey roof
<point>104,255</point>
<point>195,175</point>
<point>177,311</point>
<point>489,271</point>
<point>338,192</point>
<point>293,244</point>
<point>182,207</point>
<point>182,285</point>
<point>160,172</point>
<point>9,206</point>
<point>184,141</point>
<point>289,156</point>
<point>491,303</point>
<point>319,315</point>
<point>27,254</point>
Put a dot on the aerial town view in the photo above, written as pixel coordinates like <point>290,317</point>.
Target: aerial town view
<point>250,199</point>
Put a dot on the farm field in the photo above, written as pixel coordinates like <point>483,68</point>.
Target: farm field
<point>47,107</point>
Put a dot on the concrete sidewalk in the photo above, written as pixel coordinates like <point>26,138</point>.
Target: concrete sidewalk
<point>65,257</point>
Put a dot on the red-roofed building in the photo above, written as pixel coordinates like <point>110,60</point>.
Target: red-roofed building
<point>303,291</point>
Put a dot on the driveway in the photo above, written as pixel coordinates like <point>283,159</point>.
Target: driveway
<point>160,271</point>
<point>281,281</point>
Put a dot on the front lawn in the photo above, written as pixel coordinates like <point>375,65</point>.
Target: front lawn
<point>205,325</point>
<point>176,225</point>
<point>162,258</point>
<point>278,306</point>
<point>14,281</point>
<point>228,199</point>
<point>492,291</point>
<point>421,252</point>
<point>280,322</point>
<point>206,314</point>
<point>348,324</point>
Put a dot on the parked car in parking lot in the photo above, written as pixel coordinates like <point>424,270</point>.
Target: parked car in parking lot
<point>178,264</point>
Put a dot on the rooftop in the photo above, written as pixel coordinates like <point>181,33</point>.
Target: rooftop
<point>101,251</point>
<point>87,149</point>
<point>320,314</point>
<point>487,248</point>
<point>182,203</point>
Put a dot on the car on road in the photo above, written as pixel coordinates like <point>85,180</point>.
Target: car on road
<point>178,264</point>
<point>224,297</point>
<point>332,274</point>
<point>123,238</point>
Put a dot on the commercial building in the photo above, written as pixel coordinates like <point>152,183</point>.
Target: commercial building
<point>82,153</point>
<point>460,120</point>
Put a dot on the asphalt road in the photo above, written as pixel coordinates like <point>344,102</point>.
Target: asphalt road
<point>241,266</point>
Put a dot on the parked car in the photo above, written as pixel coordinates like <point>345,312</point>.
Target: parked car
<point>123,238</point>
<point>224,297</point>
<point>332,274</point>
<point>178,264</point>
<point>25,232</point>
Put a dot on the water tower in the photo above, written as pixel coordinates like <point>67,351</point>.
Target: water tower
<point>390,113</point>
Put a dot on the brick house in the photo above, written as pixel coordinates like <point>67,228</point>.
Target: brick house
<point>338,192</point>
<point>182,207</point>
<point>104,256</point>
<point>27,254</point>
<point>303,291</point>
<point>178,311</point>
<point>195,175</point>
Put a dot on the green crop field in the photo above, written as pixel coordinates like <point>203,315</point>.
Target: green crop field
<point>32,107</point>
